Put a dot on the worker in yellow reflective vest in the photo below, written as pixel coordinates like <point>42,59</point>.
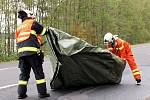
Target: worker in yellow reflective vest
<point>28,38</point>
<point>122,49</point>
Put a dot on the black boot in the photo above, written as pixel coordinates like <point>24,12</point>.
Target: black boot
<point>42,90</point>
<point>44,95</point>
<point>22,89</point>
<point>22,96</point>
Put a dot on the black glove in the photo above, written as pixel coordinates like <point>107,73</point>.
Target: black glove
<point>138,81</point>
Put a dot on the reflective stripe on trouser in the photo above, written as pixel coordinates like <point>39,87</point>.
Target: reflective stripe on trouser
<point>22,82</point>
<point>22,87</point>
<point>136,73</point>
<point>40,81</point>
<point>41,86</point>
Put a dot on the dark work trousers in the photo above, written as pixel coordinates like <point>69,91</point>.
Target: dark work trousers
<point>25,64</point>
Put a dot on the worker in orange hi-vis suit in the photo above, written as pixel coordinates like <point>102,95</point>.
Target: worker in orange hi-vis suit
<point>122,49</point>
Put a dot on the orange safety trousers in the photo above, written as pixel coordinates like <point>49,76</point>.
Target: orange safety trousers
<point>123,50</point>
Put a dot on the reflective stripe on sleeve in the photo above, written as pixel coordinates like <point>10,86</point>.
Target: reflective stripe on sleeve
<point>28,49</point>
<point>43,32</point>
<point>40,81</point>
<point>33,32</point>
<point>22,82</point>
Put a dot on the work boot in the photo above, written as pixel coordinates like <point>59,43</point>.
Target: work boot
<point>44,95</point>
<point>22,96</point>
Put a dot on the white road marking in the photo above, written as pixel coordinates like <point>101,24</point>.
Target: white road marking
<point>7,86</point>
<point>8,68</point>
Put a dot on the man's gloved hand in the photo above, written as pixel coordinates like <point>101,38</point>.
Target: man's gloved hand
<point>138,81</point>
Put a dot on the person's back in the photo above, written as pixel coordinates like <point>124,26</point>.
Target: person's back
<point>122,49</point>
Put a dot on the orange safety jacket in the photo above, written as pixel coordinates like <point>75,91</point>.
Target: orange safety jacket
<point>24,32</point>
<point>123,50</point>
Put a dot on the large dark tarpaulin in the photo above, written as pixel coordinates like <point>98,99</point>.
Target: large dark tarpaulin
<point>79,64</point>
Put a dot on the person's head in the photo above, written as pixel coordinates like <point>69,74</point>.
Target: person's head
<point>109,39</point>
<point>22,14</point>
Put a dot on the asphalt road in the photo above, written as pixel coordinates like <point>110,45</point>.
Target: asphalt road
<point>126,90</point>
